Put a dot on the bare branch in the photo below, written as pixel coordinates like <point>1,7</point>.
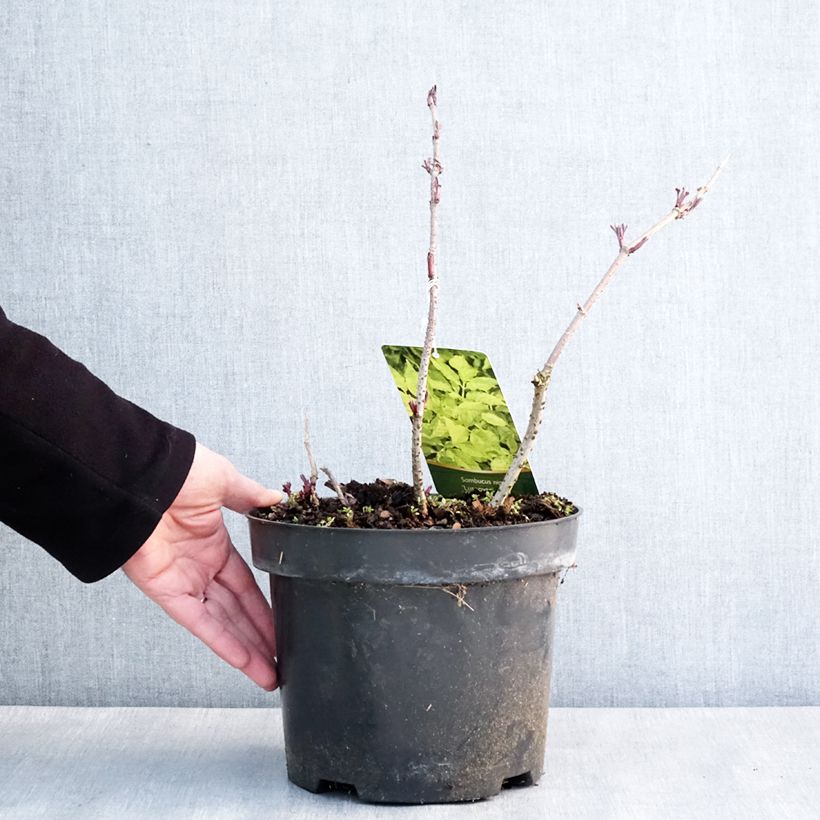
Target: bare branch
<point>433,167</point>
<point>541,381</point>
<point>314,470</point>
<point>347,500</point>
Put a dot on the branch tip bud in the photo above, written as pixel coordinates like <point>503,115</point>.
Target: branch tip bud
<point>620,231</point>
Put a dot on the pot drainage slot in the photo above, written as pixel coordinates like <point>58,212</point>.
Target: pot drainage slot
<point>337,787</point>
<point>517,782</point>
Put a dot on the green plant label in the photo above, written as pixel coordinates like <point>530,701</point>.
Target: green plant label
<point>468,435</point>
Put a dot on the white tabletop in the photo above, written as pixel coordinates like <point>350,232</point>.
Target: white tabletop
<point>601,763</point>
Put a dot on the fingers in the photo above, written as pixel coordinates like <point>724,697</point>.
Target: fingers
<point>211,472</point>
<point>214,628</point>
<point>224,609</point>
<point>242,493</point>
<point>236,575</point>
<point>232,613</point>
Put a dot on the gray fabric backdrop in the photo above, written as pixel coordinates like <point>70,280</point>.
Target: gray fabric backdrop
<point>218,206</point>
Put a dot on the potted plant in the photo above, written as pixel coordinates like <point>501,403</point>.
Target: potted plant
<point>414,631</point>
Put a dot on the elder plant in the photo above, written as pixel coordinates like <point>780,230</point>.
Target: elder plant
<point>683,206</point>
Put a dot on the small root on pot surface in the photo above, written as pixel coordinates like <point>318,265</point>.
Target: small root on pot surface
<point>460,595</point>
<point>458,591</point>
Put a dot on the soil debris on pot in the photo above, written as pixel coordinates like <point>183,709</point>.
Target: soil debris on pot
<point>387,504</point>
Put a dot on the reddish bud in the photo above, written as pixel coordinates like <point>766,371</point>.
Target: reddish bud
<point>620,231</point>
<point>681,198</point>
<point>427,490</point>
<point>431,165</point>
<point>431,97</point>
<point>414,408</point>
<point>308,487</point>
<point>639,244</point>
<point>286,488</point>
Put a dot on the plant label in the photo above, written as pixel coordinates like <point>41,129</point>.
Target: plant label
<point>468,435</point>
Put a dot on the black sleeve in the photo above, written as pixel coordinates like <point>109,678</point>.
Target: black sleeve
<point>83,472</point>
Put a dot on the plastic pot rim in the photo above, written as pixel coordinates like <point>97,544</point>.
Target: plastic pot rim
<point>414,556</point>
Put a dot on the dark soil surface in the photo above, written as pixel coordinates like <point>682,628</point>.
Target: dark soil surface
<point>389,505</point>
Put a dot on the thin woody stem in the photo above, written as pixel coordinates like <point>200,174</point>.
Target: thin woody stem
<point>314,470</point>
<point>337,488</point>
<point>542,378</point>
<point>433,168</point>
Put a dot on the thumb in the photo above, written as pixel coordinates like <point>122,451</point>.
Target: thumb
<point>242,493</point>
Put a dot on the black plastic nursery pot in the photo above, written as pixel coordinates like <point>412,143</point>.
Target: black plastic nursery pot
<point>414,665</point>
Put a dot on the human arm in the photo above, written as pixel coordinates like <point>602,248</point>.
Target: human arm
<point>94,479</point>
<point>84,473</point>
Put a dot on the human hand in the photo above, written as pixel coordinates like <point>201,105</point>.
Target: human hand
<point>191,569</point>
